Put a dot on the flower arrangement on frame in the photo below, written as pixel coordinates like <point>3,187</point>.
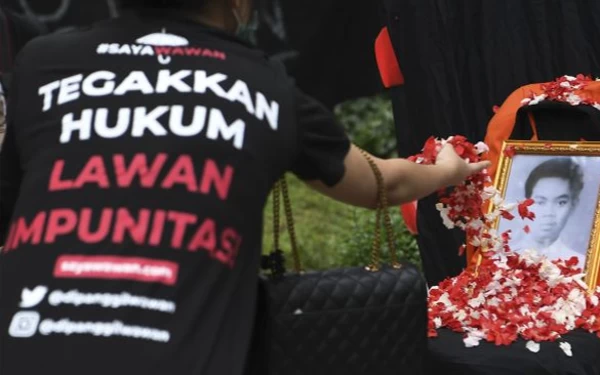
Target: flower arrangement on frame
<point>546,196</point>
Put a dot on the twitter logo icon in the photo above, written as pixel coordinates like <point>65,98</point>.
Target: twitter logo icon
<point>33,297</point>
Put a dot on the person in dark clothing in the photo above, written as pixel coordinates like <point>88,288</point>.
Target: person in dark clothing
<point>138,158</point>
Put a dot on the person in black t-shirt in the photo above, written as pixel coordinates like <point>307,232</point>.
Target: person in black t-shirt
<point>138,158</point>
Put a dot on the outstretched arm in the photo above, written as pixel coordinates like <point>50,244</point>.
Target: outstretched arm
<point>404,180</point>
<point>330,164</point>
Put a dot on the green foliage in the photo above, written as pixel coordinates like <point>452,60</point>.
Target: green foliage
<point>370,124</point>
<point>356,244</point>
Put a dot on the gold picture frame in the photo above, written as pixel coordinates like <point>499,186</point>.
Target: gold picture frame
<point>511,150</point>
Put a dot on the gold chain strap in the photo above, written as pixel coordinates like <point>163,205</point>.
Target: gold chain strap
<point>289,217</point>
<point>281,188</point>
<point>383,206</point>
<point>276,218</point>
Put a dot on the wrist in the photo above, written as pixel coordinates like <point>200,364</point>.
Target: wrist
<point>444,175</point>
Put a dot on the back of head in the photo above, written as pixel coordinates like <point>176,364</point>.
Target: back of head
<point>234,16</point>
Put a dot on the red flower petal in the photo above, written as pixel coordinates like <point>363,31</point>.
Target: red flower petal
<point>573,261</point>
<point>507,215</point>
<point>510,151</point>
<point>523,209</point>
<point>528,202</point>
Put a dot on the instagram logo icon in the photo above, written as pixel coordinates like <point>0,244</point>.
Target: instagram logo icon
<point>24,324</point>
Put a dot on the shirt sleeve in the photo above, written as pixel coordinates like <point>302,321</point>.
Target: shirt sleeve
<point>323,143</point>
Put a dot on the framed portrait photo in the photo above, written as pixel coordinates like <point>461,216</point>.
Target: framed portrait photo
<point>563,180</point>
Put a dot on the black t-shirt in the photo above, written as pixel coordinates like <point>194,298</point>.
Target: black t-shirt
<point>139,156</point>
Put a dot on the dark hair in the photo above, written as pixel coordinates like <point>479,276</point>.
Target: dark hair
<point>563,168</point>
<point>163,4</point>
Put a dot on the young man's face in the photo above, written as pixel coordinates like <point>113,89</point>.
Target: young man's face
<point>554,203</point>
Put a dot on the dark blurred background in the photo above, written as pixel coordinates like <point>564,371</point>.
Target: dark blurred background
<point>327,45</point>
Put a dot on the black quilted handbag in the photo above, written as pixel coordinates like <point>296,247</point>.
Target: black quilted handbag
<point>370,320</point>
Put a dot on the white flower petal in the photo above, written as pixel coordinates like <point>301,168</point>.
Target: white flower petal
<point>475,241</point>
<point>460,315</point>
<point>579,280</point>
<point>537,99</point>
<point>508,207</point>
<point>566,347</point>
<point>481,148</point>
<point>477,302</point>
<point>448,223</point>
<point>490,191</point>
<point>471,341</point>
<point>533,347</point>
<point>574,99</point>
